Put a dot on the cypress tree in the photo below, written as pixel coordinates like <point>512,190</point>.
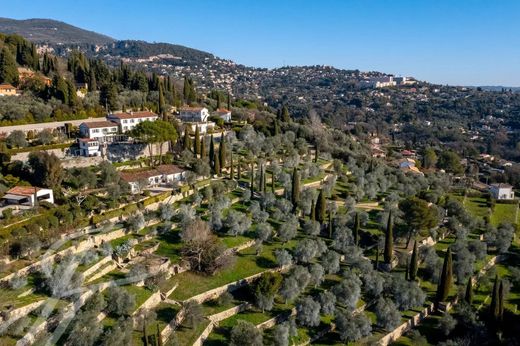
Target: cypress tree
<point>285,114</point>
<point>219,105</point>
<point>145,334</point>
<point>446,280</point>
<point>273,182</point>
<point>316,154</point>
<point>407,271</point>
<point>414,265</point>
<point>501,300</point>
<point>228,101</point>
<point>186,89</point>
<point>330,225</point>
<point>239,169</point>
<point>252,182</point>
<point>389,240</point>
<point>468,297</point>
<point>494,307</point>
<point>222,151</point>
<point>211,150</point>
<point>356,229</point>
<point>321,207</point>
<point>8,70</point>
<point>196,147</point>
<point>231,167</point>
<point>377,258</point>
<point>313,210</point>
<point>186,144</point>
<point>261,178</point>
<point>264,178</point>
<point>159,337</point>
<point>295,193</point>
<point>202,148</point>
<point>162,104</point>
<point>216,166</point>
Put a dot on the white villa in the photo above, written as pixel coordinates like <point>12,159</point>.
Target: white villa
<point>127,121</point>
<point>224,114</point>
<point>27,196</point>
<point>89,147</point>
<point>163,174</point>
<point>101,130</point>
<point>502,191</point>
<point>194,114</point>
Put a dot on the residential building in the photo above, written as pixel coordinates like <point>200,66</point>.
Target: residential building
<point>128,120</point>
<point>27,196</point>
<point>224,114</point>
<point>89,147</point>
<point>102,130</point>
<point>377,82</point>
<point>203,127</point>
<point>7,90</point>
<point>194,114</point>
<point>163,174</point>
<point>502,191</point>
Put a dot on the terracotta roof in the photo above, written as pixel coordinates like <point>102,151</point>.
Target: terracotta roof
<point>223,110</point>
<point>99,124</point>
<point>191,109</point>
<point>502,185</point>
<point>133,115</point>
<point>23,190</point>
<point>6,86</point>
<point>169,169</point>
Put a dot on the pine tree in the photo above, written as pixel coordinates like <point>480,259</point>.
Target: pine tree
<point>494,307</point>
<point>321,206</point>
<point>446,279</point>
<point>389,240</point>
<point>356,229</point>
<point>196,147</point>
<point>202,148</point>
<point>295,192</point>
<point>211,151</point>
<point>468,297</point>
<point>8,70</point>
<point>414,265</point>
<point>222,151</point>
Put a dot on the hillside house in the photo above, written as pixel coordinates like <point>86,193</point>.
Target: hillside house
<point>194,114</point>
<point>128,120</point>
<point>104,131</point>
<point>501,191</point>
<point>8,90</point>
<point>27,196</point>
<point>160,175</point>
<point>224,114</point>
<point>89,147</point>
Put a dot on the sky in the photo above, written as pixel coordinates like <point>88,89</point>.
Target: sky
<point>462,42</point>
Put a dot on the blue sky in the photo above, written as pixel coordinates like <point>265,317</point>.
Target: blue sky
<point>463,42</point>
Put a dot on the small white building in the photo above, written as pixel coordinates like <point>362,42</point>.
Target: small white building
<point>163,174</point>
<point>377,82</point>
<point>127,121</point>
<point>194,114</point>
<point>501,191</point>
<point>27,195</point>
<point>89,147</point>
<point>224,114</point>
<point>203,127</point>
<point>102,130</point>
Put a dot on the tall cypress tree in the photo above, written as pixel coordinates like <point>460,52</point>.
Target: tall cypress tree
<point>446,280</point>
<point>414,265</point>
<point>186,144</point>
<point>273,182</point>
<point>316,154</point>
<point>494,307</point>
<point>321,206</point>
<point>202,148</point>
<point>239,169</point>
<point>219,102</point>
<point>228,101</point>
<point>501,300</point>
<point>389,240</point>
<point>216,166</point>
<point>145,334</point>
<point>231,166</point>
<point>313,211</point>
<point>196,147</point>
<point>264,178</point>
<point>162,103</point>
<point>295,193</point>
<point>285,114</point>
<point>276,127</point>
<point>330,226</point>
<point>468,296</point>
<point>252,182</point>
<point>211,151</point>
<point>356,229</point>
<point>222,151</point>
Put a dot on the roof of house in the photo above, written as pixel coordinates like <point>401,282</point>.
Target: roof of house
<point>153,172</point>
<point>23,190</point>
<point>99,124</point>
<point>502,186</point>
<point>191,109</point>
<point>6,86</point>
<point>223,111</point>
<point>133,115</point>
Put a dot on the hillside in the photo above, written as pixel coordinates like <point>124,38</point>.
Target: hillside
<point>52,32</point>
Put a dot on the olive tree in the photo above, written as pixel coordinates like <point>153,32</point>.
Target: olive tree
<point>308,312</point>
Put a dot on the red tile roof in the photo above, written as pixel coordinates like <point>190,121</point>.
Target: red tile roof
<point>191,109</point>
<point>153,172</point>
<point>6,86</point>
<point>23,190</point>
<point>223,110</point>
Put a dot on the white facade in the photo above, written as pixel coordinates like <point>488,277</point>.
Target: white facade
<point>27,195</point>
<point>203,127</point>
<point>98,130</point>
<point>378,82</point>
<point>224,114</point>
<point>127,121</point>
<point>165,174</point>
<point>194,114</point>
<point>502,191</point>
<point>89,147</point>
